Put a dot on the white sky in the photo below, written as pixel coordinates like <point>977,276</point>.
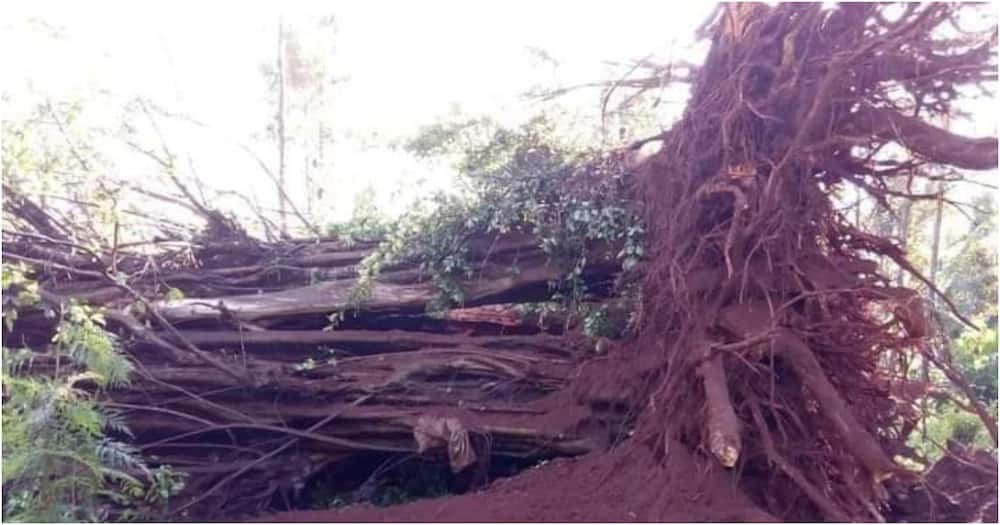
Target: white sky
<point>409,62</point>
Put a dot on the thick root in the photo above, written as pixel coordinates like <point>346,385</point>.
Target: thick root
<point>857,440</point>
<point>723,425</point>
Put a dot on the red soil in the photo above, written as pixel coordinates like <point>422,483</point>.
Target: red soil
<point>626,485</point>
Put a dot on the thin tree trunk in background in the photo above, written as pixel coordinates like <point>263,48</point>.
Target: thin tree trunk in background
<point>280,118</point>
<point>857,208</point>
<point>320,149</point>
<point>307,163</point>
<point>936,239</point>
<point>904,235</point>
<point>307,160</point>
<point>936,242</point>
<point>314,190</point>
<point>934,263</point>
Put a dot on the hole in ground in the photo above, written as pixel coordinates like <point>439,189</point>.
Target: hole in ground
<point>392,479</point>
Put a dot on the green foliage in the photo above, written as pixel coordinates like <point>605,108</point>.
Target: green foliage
<point>173,294</point>
<point>612,319</point>
<point>545,311</point>
<point>445,138</point>
<point>976,357</point>
<point>25,291</point>
<point>598,323</point>
<point>62,459</point>
<point>81,337</point>
<point>970,275</point>
<point>515,180</point>
<point>54,153</point>
<point>366,224</point>
<point>407,481</point>
<point>424,483</point>
<point>947,421</point>
<point>967,273</point>
<point>148,501</point>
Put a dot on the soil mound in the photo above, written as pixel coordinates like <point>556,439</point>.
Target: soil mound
<point>628,484</point>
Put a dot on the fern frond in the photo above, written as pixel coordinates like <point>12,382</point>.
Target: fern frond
<point>114,421</point>
<point>118,455</point>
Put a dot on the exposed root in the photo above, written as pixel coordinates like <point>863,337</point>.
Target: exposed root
<point>855,438</point>
<point>749,249</point>
<point>722,425</point>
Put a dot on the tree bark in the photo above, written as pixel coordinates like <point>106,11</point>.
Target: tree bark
<point>305,397</point>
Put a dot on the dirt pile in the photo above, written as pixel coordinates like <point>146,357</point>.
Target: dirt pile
<point>617,486</point>
<point>603,487</point>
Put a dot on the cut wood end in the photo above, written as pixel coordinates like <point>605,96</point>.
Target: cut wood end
<point>726,452</point>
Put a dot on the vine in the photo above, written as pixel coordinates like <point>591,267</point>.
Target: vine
<point>520,180</point>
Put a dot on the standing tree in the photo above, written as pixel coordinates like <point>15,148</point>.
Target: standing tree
<point>300,80</point>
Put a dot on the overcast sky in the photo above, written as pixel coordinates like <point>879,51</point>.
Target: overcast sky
<point>408,63</point>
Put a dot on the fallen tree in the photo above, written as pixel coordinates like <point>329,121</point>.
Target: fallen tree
<point>773,359</point>
<point>261,367</point>
<point>253,394</point>
<point>772,372</point>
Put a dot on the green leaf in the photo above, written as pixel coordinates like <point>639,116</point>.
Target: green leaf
<point>174,294</point>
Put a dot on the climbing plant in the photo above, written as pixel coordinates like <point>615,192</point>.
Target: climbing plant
<point>521,180</point>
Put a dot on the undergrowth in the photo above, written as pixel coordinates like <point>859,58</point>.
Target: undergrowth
<point>64,454</point>
<point>406,481</point>
<point>975,355</point>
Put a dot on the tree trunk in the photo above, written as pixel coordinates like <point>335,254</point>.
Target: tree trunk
<point>283,397</point>
<point>935,262</point>
<point>280,123</point>
<point>904,235</point>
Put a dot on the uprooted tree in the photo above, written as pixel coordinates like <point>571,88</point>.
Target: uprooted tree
<point>783,348</point>
<point>260,367</point>
<point>769,350</point>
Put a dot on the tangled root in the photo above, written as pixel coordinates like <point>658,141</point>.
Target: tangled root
<point>779,338</point>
